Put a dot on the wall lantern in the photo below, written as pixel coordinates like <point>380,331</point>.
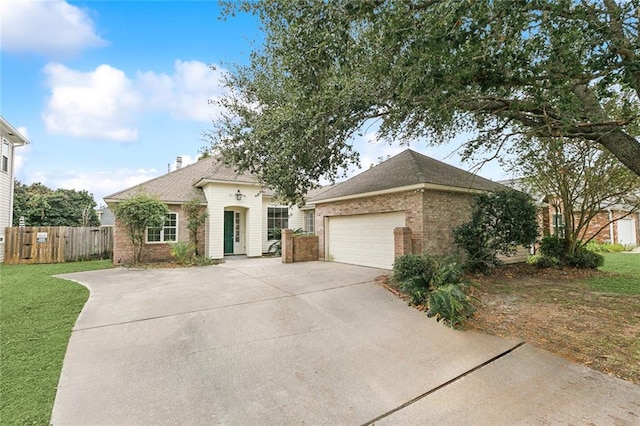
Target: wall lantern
<point>239,195</point>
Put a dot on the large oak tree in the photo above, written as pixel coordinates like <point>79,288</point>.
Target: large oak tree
<point>508,69</point>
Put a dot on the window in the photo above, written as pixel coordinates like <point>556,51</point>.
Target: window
<point>309,221</point>
<point>5,156</point>
<point>169,232</point>
<point>277,218</point>
<point>237,230</point>
<point>558,225</point>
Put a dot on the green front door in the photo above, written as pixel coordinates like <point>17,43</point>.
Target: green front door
<point>228,232</point>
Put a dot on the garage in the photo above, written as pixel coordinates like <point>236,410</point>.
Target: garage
<point>365,239</point>
<point>626,231</point>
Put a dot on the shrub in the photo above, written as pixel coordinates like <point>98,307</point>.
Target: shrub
<point>449,301</point>
<point>451,304</point>
<point>412,274</point>
<point>411,266</point>
<point>552,246</point>
<point>597,247</point>
<point>543,262</point>
<point>584,259</point>
<point>183,252</point>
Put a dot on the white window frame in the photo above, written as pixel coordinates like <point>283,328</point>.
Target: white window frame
<point>170,223</point>
<point>6,150</point>
<point>274,214</point>
<point>557,220</point>
<point>310,222</point>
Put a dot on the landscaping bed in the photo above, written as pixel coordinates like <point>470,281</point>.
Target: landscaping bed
<point>558,310</point>
<point>587,316</point>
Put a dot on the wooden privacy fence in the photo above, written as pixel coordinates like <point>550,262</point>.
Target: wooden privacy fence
<point>56,244</point>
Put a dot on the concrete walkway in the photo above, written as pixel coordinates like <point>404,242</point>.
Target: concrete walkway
<point>259,342</point>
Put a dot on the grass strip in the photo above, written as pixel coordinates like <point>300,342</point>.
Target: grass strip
<point>626,279</point>
<point>37,313</point>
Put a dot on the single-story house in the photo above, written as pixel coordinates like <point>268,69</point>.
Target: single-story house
<point>616,222</point>
<point>408,203</point>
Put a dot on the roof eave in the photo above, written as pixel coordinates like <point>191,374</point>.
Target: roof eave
<point>430,186</point>
<point>202,182</point>
<point>17,138</point>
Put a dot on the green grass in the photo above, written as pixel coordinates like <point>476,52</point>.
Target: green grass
<point>627,274</point>
<point>37,312</point>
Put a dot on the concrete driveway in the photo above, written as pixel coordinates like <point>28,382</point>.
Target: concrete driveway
<point>258,342</point>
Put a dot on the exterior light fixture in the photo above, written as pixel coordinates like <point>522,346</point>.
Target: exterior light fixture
<point>239,195</point>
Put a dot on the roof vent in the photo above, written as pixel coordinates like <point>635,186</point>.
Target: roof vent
<point>178,162</point>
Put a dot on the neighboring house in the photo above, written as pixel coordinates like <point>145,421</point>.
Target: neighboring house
<point>105,216</point>
<point>615,223</point>
<point>408,203</point>
<point>11,139</point>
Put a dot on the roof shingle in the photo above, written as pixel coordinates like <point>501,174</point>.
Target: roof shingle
<point>406,169</point>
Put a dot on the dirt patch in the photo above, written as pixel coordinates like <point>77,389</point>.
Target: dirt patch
<point>556,311</point>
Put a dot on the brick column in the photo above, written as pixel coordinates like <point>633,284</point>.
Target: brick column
<point>287,245</point>
<point>402,241</point>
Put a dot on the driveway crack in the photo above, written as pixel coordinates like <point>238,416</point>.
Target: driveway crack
<point>447,383</point>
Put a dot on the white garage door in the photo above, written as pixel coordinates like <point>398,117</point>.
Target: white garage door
<point>626,231</point>
<point>365,239</point>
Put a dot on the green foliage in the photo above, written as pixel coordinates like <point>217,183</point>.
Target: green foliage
<point>42,206</point>
<point>426,70</point>
<point>196,215</point>
<point>436,281</point>
<point>138,213</point>
<point>584,259</point>
<point>552,246</point>
<point>597,247</point>
<point>413,265</point>
<point>579,179</point>
<point>37,315</point>
<point>500,221</point>
<point>183,252</point>
<point>450,303</point>
<point>543,262</point>
<point>554,254</point>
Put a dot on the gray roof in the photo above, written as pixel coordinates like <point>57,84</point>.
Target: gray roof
<point>179,186</point>
<point>406,169</point>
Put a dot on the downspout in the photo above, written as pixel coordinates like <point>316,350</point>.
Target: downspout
<point>610,226</point>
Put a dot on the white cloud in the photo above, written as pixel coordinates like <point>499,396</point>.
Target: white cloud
<point>52,27</point>
<point>94,104</point>
<point>186,93</point>
<point>98,183</point>
<point>106,104</point>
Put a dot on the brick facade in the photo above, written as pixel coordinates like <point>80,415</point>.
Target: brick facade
<point>599,226</point>
<point>430,215</point>
<point>154,252</point>
<point>298,248</point>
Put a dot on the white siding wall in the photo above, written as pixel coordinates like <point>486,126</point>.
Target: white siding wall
<point>220,196</point>
<point>6,197</point>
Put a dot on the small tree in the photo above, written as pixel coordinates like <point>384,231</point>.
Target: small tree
<point>196,214</point>
<point>137,214</point>
<point>499,223</point>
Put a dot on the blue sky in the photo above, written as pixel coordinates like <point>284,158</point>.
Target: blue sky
<point>109,93</point>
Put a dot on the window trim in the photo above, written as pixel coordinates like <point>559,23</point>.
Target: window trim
<point>284,216</point>
<point>5,156</point>
<point>162,231</point>
<point>310,219</point>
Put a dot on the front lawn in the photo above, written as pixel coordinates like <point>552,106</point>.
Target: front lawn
<point>625,274</point>
<point>590,317</point>
<point>37,313</point>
